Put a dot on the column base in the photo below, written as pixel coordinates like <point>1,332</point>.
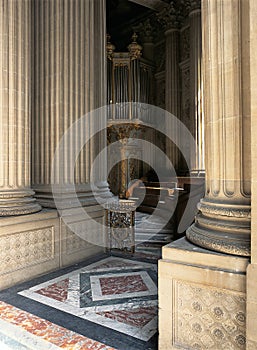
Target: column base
<point>222,227</point>
<point>63,196</point>
<point>202,298</point>
<point>18,202</point>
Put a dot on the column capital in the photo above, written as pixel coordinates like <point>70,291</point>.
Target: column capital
<point>169,17</point>
<point>190,6</point>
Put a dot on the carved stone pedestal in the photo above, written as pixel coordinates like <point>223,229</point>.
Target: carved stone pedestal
<point>32,245</point>
<point>202,299</point>
<point>29,246</point>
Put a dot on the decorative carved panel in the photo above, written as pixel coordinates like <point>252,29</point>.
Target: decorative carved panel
<point>23,249</point>
<point>208,318</point>
<point>72,242</point>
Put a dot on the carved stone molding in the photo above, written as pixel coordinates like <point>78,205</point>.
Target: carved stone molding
<point>18,202</point>
<point>222,227</point>
<point>226,243</point>
<point>211,209</point>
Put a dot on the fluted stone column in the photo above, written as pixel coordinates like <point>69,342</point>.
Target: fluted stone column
<point>16,196</point>
<point>169,20</point>
<point>70,81</point>
<point>223,222</point>
<point>196,112</point>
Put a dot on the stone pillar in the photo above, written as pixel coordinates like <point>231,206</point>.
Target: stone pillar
<point>196,111</point>
<point>223,222</point>
<point>16,196</point>
<point>249,54</point>
<point>168,18</point>
<point>202,289</point>
<point>70,81</point>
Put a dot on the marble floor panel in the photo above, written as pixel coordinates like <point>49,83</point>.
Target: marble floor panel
<point>115,298</point>
<point>93,292</point>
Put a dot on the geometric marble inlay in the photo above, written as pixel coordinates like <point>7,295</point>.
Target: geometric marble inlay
<point>57,291</point>
<point>117,293</point>
<point>122,285</point>
<point>138,317</point>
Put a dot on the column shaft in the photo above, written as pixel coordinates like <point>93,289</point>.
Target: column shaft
<point>70,81</point>
<point>196,111</point>
<point>223,223</point>
<point>15,104</point>
<point>172,88</point>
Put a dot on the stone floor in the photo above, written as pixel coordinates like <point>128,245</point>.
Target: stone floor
<point>107,302</point>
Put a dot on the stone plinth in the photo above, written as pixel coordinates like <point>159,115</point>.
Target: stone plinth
<point>202,298</point>
<point>35,244</point>
<point>29,246</point>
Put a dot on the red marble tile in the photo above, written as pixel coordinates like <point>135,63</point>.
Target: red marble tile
<point>57,291</point>
<point>122,284</point>
<point>48,331</point>
<point>135,317</point>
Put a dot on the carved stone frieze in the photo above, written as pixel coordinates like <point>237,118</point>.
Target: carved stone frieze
<point>208,318</point>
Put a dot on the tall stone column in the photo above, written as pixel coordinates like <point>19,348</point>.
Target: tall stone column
<point>196,112</point>
<point>70,81</point>
<point>223,222</point>
<point>16,196</point>
<point>169,20</point>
